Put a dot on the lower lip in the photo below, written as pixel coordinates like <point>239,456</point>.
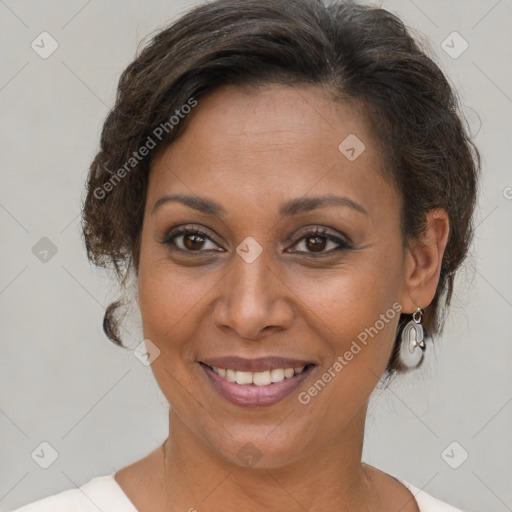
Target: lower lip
<point>252,395</point>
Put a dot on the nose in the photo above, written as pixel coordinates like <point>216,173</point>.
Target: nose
<point>253,300</point>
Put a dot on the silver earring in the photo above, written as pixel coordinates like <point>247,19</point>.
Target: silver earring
<point>412,345</point>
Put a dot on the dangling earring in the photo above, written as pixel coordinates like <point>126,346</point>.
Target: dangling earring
<point>412,346</point>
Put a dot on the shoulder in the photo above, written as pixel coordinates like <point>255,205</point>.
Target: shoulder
<point>428,503</point>
<point>100,493</point>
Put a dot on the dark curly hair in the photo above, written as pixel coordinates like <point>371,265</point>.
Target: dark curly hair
<point>363,54</point>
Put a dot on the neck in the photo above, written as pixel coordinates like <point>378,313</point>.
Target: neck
<point>330,476</point>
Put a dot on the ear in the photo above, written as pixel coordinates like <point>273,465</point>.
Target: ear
<point>423,259</point>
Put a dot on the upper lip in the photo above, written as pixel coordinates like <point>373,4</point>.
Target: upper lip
<point>254,365</point>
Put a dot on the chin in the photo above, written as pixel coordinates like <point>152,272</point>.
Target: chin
<point>259,447</point>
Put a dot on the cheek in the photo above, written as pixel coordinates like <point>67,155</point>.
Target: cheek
<point>170,305</point>
<point>166,300</point>
<point>355,308</point>
<point>353,295</point>
<point>355,314</point>
<point>171,299</point>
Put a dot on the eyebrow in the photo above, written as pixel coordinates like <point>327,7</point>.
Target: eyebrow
<point>292,207</point>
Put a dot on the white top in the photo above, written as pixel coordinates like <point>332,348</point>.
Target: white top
<point>104,493</point>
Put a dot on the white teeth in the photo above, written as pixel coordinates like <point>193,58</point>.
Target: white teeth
<point>258,378</point>
<point>243,378</point>
<point>277,375</point>
<point>261,378</point>
<point>288,372</point>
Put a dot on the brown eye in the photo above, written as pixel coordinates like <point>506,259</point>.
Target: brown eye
<point>320,242</point>
<point>316,243</point>
<point>191,240</point>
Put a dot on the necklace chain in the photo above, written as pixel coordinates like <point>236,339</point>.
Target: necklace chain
<point>166,480</point>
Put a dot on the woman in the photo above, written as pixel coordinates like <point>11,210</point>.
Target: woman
<point>292,188</point>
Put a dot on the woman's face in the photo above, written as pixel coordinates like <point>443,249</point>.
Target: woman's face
<point>293,257</point>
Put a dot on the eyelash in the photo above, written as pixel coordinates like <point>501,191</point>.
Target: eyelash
<point>319,232</point>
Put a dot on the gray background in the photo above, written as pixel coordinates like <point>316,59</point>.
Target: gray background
<point>62,382</point>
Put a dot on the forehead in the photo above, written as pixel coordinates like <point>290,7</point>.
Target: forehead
<point>272,142</point>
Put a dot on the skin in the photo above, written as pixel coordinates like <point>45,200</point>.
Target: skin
<point>250,150</point>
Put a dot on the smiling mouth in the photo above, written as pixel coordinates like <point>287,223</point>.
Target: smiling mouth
<point>263,378</point>
<point>256,389</point>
